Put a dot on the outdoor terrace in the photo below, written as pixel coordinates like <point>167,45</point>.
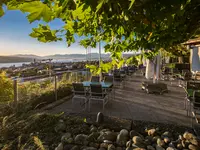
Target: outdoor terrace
<point>133,103</point>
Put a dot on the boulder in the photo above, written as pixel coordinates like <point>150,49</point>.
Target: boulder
<point>90,148</point>
<point>171,148</point>
<point>108,135</point>
<point>151,132</point>
<point>93,136</point>
<point>193,147</point>
<point>149,147</point>
<point>59,147</point>
<point>81,139</point>
<point>159,147</point>
<point>111,147</point>
<point>188,136</point>
<point>104,145</point>
<point>124,132</point>
<point>121,139</point>
<point>135,133</point>
<point>137,140</point>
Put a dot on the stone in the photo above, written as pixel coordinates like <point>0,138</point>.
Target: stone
<point>119,148</point>
<point>90,148</point>
<point>193,147</point>
<point>149,147</point>
<point>95,145</point>
<point>129,148</point>
<point>121,140</point>
<point>179,146</point>
<point>151,132</point>
<point>93,129</point>
<point>124,132</point>
<point>60,127</point>
<point>108,135</point>
<point>137,140</point>
<point>100,118</point>
<point>166,140</point>
<point>194,141</point>
<point>101,148</point>
<point>180,137</point>
<point>185,144</point>
<point>66,136</point>
<point>68,146</point>
<point>93,136</point>
<point>108,142</point>
<point>129,143</point>
<point>75,148</point>
<point>111,147</point>
<point>104,130</point>
<point>81,139</point>
<point>104,145</point>
<point>171,148</point>
<point>160,142</point>
<point>159,147</point>
<point>134,146</point>
<point>155,138</point>
<point>60,147</point>
<point>166,134</point>
<point>188,136</point>
<point>135,133</point>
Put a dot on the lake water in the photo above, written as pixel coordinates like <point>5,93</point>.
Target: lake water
<point>12,64</point>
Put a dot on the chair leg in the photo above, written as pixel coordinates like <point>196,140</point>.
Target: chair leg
<point>89,104</point>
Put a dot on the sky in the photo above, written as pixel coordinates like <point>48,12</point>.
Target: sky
<point>15,39</point>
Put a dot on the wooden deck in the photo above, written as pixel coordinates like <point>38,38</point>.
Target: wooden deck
<point>133,103</point>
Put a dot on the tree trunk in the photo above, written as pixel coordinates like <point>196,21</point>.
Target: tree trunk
<point>180,59</point>
<point>149,69</point>
<point>158,66</point>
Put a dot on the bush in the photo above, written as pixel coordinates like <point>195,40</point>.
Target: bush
<point>6,88</point>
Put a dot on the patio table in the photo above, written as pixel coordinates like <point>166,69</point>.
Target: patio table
<point>103,84</point>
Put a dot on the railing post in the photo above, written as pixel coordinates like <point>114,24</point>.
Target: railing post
<point>55,80</point>
<point>15,88</point>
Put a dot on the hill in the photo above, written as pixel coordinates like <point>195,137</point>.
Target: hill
<point>13,59</point>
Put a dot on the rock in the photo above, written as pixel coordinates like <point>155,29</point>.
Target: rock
<point>166,140</point>
<point>166,134</point>
<point>137,140</point>
<point>159,147</point>
<point>180,137</point>
<point>179,146</point>
<point>134,146</point>
<point>149,147</point>
<point>60,127</point>
<point>66,136</point>
<point>95,145</point>
<point>129,143</point>
<point>104,130</point>
<point>160,142</point>
<point>188,136</point>
<point>194,141</point>
<point>147,142</point>
<point>111,147</point>
<point>81,139</point>
<point>93,129</point>
<point>171,148</point>
<point>119,148</point>
<point>155,138</point>
<point>102,148</point>
<point>108,142</point>
<point>68,146</point>
<point>59,147</point>
<point>75,148</point>
<point>193,147</point>
<point>151,132</point>
<point>93,136</point>
<point>89,148</point>
<point>134,133</point>
<point>121,140</point>
<point>185,144</point>
<point>129,148</point>
<point>104,145</point>
<point>100,117</point>
<point>108,135</point>
<point>124,132</point>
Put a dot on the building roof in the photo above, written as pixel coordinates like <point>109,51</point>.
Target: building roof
<point>193,42</point>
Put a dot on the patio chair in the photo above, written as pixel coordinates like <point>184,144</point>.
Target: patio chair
<point>110,79</point>
<point>95,79</point>
<point>79,92</point>
<point>97,94</point>
<point>195,110</point>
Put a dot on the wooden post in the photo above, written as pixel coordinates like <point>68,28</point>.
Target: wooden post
<point>15,91</point>
<point>56,96</point>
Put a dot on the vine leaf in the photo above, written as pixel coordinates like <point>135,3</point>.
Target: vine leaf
<point>100,5</point>
<point>132,2</point>
<point>37,10</point>
<point>1,11</point>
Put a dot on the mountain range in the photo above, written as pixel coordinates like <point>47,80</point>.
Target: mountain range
<point>30,57</point>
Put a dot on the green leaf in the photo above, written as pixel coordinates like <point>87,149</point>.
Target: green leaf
<point>132,2</point>
<point>85,120</point>
<point>37,11</point>
<point>1,11</point>
<point>100,5</point>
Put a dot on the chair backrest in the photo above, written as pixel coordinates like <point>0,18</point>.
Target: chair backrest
<point>78,88</point>
<point>108,79</point>
<point>96,90</point>
<point>95,79</point>
<point>196,97</point>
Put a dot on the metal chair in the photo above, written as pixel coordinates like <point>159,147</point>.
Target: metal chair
<point>79,92</point>
<point>195,107</point>
<point>110,79</point>
<point>98,94</point>
<point>95,79</point>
